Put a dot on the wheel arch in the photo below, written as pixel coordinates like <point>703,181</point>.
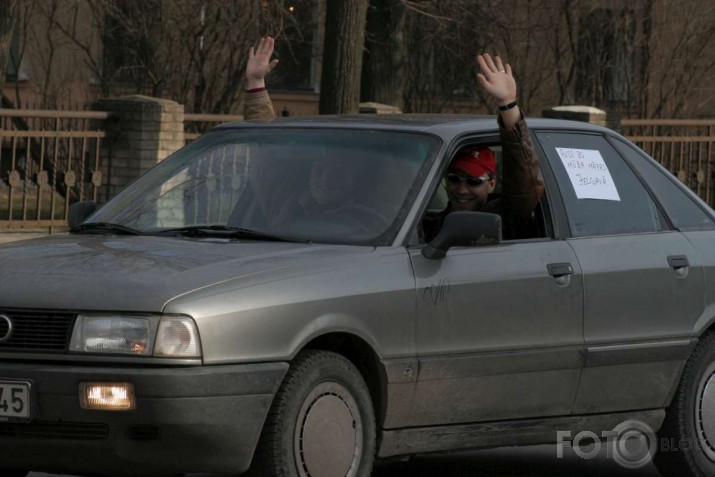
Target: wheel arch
<point>364,358</point>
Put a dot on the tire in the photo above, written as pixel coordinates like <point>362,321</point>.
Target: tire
<point>321,422</point>
<point>13,473</point>
<point>687,437</point>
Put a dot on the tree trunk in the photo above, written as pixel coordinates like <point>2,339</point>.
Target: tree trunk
<point>342,56</point>
<point>383,73</point>
<point>8,17</point>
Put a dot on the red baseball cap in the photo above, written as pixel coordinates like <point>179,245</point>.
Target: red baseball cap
<point>474,161</point>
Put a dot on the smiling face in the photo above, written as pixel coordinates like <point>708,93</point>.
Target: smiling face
<point>467,197</point>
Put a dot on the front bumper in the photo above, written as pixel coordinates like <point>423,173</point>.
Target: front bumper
<point>188,419</point>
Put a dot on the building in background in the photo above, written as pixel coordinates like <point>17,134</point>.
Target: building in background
<point>643,58</point>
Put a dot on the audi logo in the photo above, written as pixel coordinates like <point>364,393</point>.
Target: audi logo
<point>5,328</point>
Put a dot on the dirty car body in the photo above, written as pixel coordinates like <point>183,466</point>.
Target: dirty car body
<point>180,326</point>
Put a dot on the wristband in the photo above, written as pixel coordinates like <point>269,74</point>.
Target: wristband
<point>507,107</point>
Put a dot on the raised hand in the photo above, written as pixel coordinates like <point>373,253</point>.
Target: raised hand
<point>259,63</point>
<point>497,80</point>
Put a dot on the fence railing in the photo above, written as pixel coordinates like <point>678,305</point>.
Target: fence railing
<point>685,147</point>
<point>48,159</point>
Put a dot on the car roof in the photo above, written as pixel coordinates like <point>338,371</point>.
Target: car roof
<point>439,124</point>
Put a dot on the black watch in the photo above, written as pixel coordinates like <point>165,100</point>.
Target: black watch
<point>507,107</point>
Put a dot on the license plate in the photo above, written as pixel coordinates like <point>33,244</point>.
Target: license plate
<point>14,400</point>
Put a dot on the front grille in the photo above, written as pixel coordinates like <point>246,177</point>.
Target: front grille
<point>55,430</point>
<point>36,330</point>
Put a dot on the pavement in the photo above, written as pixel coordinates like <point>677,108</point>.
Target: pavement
<point>7,237</point>
<point>534,461</point>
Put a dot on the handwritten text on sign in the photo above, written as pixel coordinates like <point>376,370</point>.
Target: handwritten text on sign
<point>588,173</point>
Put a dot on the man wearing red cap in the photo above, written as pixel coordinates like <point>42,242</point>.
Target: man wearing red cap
<point>471,176</point>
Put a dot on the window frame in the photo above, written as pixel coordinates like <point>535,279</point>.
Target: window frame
<point>489,139</point>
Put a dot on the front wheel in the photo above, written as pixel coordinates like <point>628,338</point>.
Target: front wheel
<point>321,423</point>
<point>687,438</point>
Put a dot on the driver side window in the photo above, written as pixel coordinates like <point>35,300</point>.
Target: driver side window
<point>534,227</point>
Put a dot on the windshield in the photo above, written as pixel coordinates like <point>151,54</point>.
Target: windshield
<point>316,185</point>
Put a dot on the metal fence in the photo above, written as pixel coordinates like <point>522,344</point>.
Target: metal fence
<point>48,159</point>
<point>685,147</point>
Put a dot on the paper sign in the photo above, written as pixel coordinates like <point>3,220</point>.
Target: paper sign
<point>588,173</point>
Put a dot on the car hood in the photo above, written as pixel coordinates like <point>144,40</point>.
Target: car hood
<point>138,273</point>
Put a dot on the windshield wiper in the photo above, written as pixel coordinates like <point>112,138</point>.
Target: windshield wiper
<point>222,231</point>
<point>105,227</point>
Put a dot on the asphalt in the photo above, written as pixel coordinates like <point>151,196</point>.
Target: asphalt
<point>6,237</point>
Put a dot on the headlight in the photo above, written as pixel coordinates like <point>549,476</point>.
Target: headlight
<point>112,334</point>
<point>136,335</point>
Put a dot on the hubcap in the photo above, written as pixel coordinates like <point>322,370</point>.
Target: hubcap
<point>328,435</point>
<point>705,412</point>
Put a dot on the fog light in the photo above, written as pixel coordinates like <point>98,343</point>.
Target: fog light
<point>107,396</point>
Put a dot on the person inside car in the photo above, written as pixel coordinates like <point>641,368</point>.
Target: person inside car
<point>332,179</point>
<point>471,175</point>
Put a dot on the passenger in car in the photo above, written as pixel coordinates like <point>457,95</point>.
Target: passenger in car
<point>471,175</point>
<point>330,187</point>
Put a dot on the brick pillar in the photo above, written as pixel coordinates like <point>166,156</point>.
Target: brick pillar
<point>141,132</point>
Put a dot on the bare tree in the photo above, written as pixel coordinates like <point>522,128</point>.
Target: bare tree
<point>190,51</point>
<point>652,58</point>
<point>517,31</point>
<point>443,39</point>
<point>8,17</point>
<point>342,56</point>
<point>383,72</point>
<point>681,56</point>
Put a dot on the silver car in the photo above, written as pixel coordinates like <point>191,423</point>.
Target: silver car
<point>264,300</point>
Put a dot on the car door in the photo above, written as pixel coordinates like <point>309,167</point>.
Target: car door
<point>498,332</point>
<point>642,278</point>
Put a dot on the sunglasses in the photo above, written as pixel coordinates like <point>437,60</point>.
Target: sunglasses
<point>456,179</point>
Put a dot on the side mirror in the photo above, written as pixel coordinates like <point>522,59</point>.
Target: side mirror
<point>79,211</point>
<point>464,229</point>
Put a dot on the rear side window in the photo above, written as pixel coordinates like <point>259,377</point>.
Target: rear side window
<point>602,195</point>
<point>684,212</point>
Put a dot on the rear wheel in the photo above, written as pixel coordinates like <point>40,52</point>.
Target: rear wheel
<point>687,438</point>
<point>321,423</point>
<point>13,473</point>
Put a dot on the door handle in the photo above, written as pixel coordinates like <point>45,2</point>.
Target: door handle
<point>557,270</point>
<point>678,261</point>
